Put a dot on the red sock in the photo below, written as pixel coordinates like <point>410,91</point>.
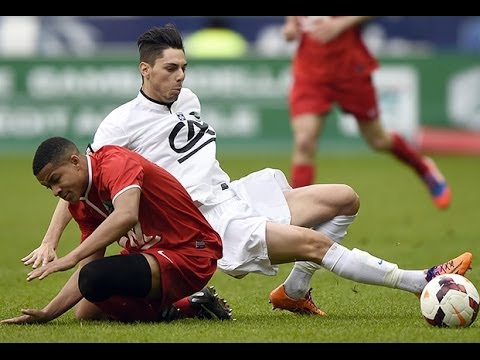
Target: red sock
<point>407,154</point>
<point>302,175</point>
<point>186,310</point>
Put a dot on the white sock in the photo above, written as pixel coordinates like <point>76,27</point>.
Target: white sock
<point>413,281</point>
<point>360,266</point>
<point>297,283</point>
<point>336,229</point>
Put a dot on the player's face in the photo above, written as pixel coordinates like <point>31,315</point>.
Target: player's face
<point>66,180</point>
<point>164,80</point>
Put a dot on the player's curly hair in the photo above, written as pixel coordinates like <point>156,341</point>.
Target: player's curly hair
<point>153,42</point>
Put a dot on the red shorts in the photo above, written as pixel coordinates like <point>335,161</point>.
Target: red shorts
<point>181,275</point>
<point>356,96</point>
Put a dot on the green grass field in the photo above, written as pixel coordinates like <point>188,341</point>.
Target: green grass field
<point>397,222</point>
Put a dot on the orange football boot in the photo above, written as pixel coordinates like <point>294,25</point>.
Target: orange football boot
<point>280,300</point>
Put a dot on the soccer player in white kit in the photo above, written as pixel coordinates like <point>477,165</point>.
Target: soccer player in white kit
<point>262,221</point>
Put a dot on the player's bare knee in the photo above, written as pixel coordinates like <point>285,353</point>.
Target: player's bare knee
<point>305,144</point>
<point>353,201</point>
<point>348,200</point>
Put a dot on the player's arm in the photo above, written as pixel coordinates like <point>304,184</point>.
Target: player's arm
<point>67,297</point>
<point>109,133</point>
<point>291,30</point>
<point>116,225</point>
<point>46,252</point>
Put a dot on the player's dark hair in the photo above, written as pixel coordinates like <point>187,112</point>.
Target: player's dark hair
<point>52,150</point>
<point>153,42</point>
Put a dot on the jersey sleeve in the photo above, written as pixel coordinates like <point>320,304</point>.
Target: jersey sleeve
<point>109,133</point>
<point>120,172</point>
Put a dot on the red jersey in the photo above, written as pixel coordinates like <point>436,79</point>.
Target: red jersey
<point>168,217</point>
<point>341,58</point>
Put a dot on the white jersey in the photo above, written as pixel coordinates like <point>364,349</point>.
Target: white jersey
<point>172,137</point>
<point>175,138</point>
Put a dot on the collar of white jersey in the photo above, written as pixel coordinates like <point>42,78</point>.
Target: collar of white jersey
<point>151,103</point>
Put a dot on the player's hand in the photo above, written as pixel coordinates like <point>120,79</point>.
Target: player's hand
<point>291,30</point>
<point>60,264</point>
<point>29,316</point>
<point>42,255</point>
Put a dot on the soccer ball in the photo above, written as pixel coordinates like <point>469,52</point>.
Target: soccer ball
<point>449,300</point>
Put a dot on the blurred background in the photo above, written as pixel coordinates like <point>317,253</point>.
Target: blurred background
<point>60,75</point>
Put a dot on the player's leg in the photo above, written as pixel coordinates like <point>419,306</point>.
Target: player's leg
<point>359,98</point>
<point>308,104</point>
<point>129,288</point>
<point>190,272</point>
<point>314,205</point>
<point>86,310</point>
<point>424,167</point>
<point>328,208</point>
<point>360,266</point>
<point>123,275</point>
<point>287,242</point>
<point>306,131</point>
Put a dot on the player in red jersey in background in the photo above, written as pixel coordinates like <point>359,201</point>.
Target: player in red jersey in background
<point>169,250</point>
<point>331,66</point>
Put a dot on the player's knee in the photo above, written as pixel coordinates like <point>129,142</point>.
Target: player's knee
<point>91,281</point>
<point>123,275</point>
<point>352,201</point>
<point>347,200</point>
<point>306,144</point>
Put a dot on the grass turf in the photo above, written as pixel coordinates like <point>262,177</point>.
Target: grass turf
<point>397,222</point>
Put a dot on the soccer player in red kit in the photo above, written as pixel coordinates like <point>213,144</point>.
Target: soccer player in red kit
<point>333,65</point>
<point>169,250</point>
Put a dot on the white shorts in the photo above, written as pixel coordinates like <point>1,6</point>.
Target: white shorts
<point>241,221</point>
